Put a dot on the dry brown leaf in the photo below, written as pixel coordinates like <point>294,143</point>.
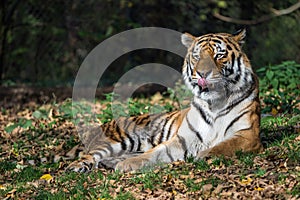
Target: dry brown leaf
<point>72,153</point>
<point>207,188</point>
<point>218,189</point>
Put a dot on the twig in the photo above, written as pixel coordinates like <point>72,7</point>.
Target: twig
<point>275,13</point>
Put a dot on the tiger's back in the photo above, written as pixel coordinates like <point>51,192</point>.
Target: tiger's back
<point>133,134</point>
<point>223,117</point>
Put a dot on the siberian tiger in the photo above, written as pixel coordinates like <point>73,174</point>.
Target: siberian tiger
<point>223,117</point>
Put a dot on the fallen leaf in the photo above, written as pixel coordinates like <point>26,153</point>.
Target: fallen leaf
<point>174,192</point>
<point>72,153</point>
<point>258,189</point>
<point>11,194</point>
<point>57,158</point>
<point>43,160</point>
<point>156,98</point>
<point>206,189</point>
<point>218,189</point>
<point>2,187</point>
<point>31,162</point>
<point>274,112</point>
<point>246,181</point>
<point>20,166</point>
<point>46,177</point>
<point>59,147</point>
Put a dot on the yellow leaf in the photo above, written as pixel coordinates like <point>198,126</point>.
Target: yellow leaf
<point>274,112</point>
<point>174,192</point>
<point>258,188</point>
<point>246,181</point>
<point>2,187</point>
<point>46,177</point>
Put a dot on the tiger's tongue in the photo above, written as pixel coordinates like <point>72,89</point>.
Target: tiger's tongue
<point>202,83</point>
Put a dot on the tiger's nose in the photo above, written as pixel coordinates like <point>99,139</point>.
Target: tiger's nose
<point>203,74</point>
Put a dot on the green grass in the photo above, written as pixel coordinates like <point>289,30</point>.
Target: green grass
<point>189,176</point>
<point>7,166</point>
<point>260,172</point>
<point>246,159</point>
<point>27,174</point>
<point>202,165</point>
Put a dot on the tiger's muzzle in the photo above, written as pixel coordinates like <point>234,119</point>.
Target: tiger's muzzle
<point>205,70</point>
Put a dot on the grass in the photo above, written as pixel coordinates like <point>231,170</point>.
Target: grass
<point>200,177</point>
<point>185,178</point>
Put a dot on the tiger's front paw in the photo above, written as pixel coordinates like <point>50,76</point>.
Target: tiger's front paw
<point>131,164</point>
<point>85,164</point>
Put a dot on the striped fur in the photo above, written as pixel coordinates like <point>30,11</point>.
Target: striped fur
<point>223,117</point>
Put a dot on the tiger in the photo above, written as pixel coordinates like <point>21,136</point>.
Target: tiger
<point>223,116</point>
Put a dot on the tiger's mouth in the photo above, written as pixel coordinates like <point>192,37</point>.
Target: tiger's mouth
<point>202,83</point>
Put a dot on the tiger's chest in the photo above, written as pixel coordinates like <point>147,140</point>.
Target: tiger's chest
<point>204,128</point>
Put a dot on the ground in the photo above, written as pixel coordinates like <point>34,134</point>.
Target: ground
<point>39,139</point>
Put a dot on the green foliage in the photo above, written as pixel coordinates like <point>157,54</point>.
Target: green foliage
<point>245,158</point>
<point>55,46</point>
<point>280,87</point>
<point>179,94</point>
<point>115,108</point>
<point>27,174</point>
<point>221,160</point>
<point>22,122</point>
<point>260,172</point>
<point>186,178</point>
<point>106,114</point>
<point>136,107</point>
<point>296,190</point>
<point>43,118</point>
<point>6,166</point>
<point>272,123</point>
<point>149,179</point>
<point>202,165</point>
<point>190,183</point>
<point>44,194</point>
<point>40,114</point>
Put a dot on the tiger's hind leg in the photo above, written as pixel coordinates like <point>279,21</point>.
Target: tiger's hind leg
<point>98,147</point>
<point>111,162</point>
<point>88,162</point>
<point>246,141</point>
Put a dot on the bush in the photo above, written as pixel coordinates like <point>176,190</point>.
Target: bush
<point>279,87</point>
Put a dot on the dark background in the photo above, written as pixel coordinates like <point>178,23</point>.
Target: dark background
<point>43,43</point>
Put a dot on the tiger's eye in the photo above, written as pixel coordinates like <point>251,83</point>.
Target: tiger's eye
<point>197,57</point>
<point>218,56</point>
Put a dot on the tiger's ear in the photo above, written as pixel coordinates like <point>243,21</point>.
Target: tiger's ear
<point>239,36</point>
<point>187,39</point>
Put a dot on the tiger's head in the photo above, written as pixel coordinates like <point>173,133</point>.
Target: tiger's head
<point>215,65</point>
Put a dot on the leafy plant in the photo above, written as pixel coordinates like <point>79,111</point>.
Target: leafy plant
<point>180,94</point>
<point>6,166</point>
<point>271,122</point>
<point>22,122</point>
<point>40,114</point>
<point>279,87</point>
<point>260,172</point>
<point>27,174</point>
<point>202,165</point>
<point>245,158</point>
